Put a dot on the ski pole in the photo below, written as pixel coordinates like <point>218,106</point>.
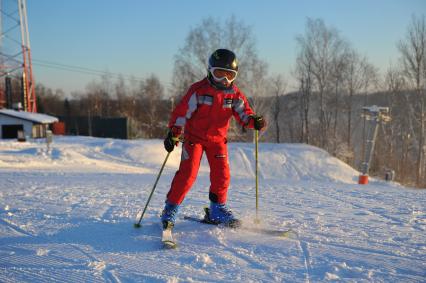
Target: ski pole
<point>256,142</point>
<point>138,224</point>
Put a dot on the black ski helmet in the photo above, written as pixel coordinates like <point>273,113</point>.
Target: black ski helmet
<point>223,58</point>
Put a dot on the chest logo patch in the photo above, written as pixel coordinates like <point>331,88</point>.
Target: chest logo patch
<point>227,103</point>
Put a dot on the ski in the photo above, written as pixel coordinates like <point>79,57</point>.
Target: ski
<point>167,237</point>
<point>271,232</point>
<point>287,233</point>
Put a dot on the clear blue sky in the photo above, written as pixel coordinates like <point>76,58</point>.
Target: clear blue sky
<point>139,37</point>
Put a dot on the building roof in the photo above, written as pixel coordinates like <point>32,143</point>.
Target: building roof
<point>29,116</point>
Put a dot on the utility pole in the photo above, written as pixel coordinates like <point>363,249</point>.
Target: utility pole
<point>15,52</point>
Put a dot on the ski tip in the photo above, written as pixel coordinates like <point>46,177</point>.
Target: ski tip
<point>137,225</point>
<point>289,234</point>
<point>235,224</point>
<point>169,245</point>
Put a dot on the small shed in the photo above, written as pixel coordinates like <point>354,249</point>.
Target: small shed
<point>32,125</point>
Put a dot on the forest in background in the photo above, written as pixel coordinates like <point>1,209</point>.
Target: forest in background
<point>334,83</point>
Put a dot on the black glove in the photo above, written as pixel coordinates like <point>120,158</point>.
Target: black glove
<point>169,143</point>
<point>172,138</point>
<point>258,122</point>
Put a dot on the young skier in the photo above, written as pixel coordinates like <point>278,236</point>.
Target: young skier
<point>202,117</point>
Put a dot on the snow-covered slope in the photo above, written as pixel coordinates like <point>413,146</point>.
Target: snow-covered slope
<point>66,216</point>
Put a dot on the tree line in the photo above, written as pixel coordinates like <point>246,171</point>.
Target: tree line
<point>334,81</point>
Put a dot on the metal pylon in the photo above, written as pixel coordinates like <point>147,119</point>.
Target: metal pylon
<point>375,115</point>
<point>15,55</point>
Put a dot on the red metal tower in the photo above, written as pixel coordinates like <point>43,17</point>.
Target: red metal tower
<point>15,55</point>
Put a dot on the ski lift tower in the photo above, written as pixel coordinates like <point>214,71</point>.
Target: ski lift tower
<point>375,115</point>
<point>15,56</point>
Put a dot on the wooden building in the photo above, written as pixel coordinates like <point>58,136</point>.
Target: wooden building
<point>32,125</point>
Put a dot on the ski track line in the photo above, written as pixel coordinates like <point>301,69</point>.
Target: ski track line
<point>357,206</point>
<point>363,250</point>
<point>239,253</point>
<point>107,273</point>
<point>298,170</point>
<point>359,248</point>
<point>396,220</point>
<point>360,207</point>
<point>246,161</point>
<point>108,213</point>
<point>250,164</point>
<point>304,247</point>
<point>255,262</point>
<point>15,228</point>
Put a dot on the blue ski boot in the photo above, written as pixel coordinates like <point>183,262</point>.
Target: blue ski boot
<point>168,216</point>
<point>219,213</point>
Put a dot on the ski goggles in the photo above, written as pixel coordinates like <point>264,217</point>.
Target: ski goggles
<point>220,74</point>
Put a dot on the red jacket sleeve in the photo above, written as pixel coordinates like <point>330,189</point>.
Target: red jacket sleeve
<point>242,110</point>
<point>184,109</point>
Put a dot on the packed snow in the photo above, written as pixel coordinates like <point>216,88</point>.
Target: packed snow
<point>67,214</point>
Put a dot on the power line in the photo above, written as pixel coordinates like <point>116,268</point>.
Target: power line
<point>67,66</point>
<point>82,70</point>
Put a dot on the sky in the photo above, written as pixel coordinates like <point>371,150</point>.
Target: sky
<point>140,38</point>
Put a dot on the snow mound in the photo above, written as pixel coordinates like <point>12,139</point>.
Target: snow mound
<point>295,162</point>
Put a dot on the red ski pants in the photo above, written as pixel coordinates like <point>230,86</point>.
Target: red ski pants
<point>217,156</point>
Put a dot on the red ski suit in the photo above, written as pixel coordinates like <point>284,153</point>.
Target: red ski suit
<point>204,113</point>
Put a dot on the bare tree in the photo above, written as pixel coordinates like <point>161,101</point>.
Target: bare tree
<point>413,51</point>
<point>152,94</point>
<point>359,75</point>
<point>303,75</point>
<point>279,86</point>
<point>98,95</point>
<point>49,101</point>
<point>121,93</point>
<point>339,66</point>
<point>398,132</point>
<point>323,46</point>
